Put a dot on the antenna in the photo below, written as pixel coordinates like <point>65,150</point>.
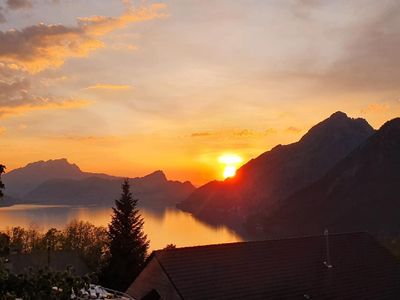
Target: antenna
<point>327,263</point>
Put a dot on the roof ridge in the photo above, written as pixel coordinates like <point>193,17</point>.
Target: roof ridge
<point>265,240</point>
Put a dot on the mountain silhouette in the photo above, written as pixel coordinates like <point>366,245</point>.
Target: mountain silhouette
<point>265,181</point>
<point>22,180</point>
<point>60,182</point>
<point>361,193</point>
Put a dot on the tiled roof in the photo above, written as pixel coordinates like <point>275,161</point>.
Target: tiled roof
<point>285,269</point>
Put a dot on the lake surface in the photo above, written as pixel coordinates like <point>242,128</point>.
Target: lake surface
<point>170,226</point>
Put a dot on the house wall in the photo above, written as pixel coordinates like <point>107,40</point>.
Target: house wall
<point>153,277</point>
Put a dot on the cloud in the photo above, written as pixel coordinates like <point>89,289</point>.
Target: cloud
<point>293,129</point>
<point>41,104</point>
<point>19,4</point>
<point>375,108</point>
<point>124,47</point>
<point>200,134</point>
<point>237,133</point>
<point>16,98</point>
<point>35,48</point>
<point>14,92</point>
<point>101,25</point>
<point>2,17</point>
<point>270,131</point>
<point>370,60</point>
<point>39,47</point>
<point>105,86</point>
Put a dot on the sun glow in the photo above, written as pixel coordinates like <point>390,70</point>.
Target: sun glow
<point>231,163</point>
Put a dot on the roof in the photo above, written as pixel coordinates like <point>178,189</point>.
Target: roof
<point>59,261</point>
<point>284,269</point>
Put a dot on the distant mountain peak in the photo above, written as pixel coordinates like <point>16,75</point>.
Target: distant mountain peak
<point>360,192</point>
<point>157,176</point>
<point>339,115</point>
<point>60,162</point>
<point>337,124</point>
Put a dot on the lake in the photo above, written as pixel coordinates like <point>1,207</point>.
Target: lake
<point>170,226</point>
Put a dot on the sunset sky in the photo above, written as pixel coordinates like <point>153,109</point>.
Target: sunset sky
<point>129,87</point>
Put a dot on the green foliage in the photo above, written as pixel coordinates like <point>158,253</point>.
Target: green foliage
<point>41,284</point>
<point>128,244</point>
<point>2,169</point>
<point>89,241</point>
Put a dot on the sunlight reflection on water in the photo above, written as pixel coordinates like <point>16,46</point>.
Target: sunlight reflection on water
<point>170,226</point>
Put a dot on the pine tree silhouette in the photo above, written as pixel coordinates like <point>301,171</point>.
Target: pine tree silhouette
<point>128,243</point>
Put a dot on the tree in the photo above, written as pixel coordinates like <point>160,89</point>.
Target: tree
<point>2,168</point>
<point>4,244</point>
<point>170,246</point>
<point>87,240</point>
<point>128,244</point>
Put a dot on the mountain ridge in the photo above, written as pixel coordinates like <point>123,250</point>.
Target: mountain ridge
<point>274,175</point>
<point>359,193</point>
<point>57,181</point>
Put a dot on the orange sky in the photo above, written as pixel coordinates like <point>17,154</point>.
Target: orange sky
<point>129,87</point>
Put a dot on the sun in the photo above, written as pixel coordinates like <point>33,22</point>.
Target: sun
<point>229,171</point>
<point>231,163</point>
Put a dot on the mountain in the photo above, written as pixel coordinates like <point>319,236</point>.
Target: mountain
<point>59,182</point>
<point>152,192</point>
<point>22,180</point>
<point>273,176</point>
<point>361,193</point>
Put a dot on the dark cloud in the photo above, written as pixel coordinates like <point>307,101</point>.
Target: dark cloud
<point>19,4</point>
<point>41,46</point>
<point>2,17</point>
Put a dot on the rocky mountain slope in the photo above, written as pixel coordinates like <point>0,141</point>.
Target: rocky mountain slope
<point>265,181</point>
<point>362,192</point>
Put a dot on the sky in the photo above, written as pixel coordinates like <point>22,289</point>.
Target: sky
<point>129,87</point>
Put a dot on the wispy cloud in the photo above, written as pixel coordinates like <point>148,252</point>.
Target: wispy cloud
<point>107,86</point>
<point>41,104</point>
<point>237,133</point>
<point>293,129</point>
<point>375,108</point>
<point>200,134</point>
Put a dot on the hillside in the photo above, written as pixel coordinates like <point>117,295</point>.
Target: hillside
<point>276,174</point>
<point>361,192</point>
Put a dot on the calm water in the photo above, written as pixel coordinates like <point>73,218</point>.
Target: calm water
<point>168,227</point>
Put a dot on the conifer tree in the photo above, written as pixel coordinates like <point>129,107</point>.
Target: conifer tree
<point>128,243</point>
